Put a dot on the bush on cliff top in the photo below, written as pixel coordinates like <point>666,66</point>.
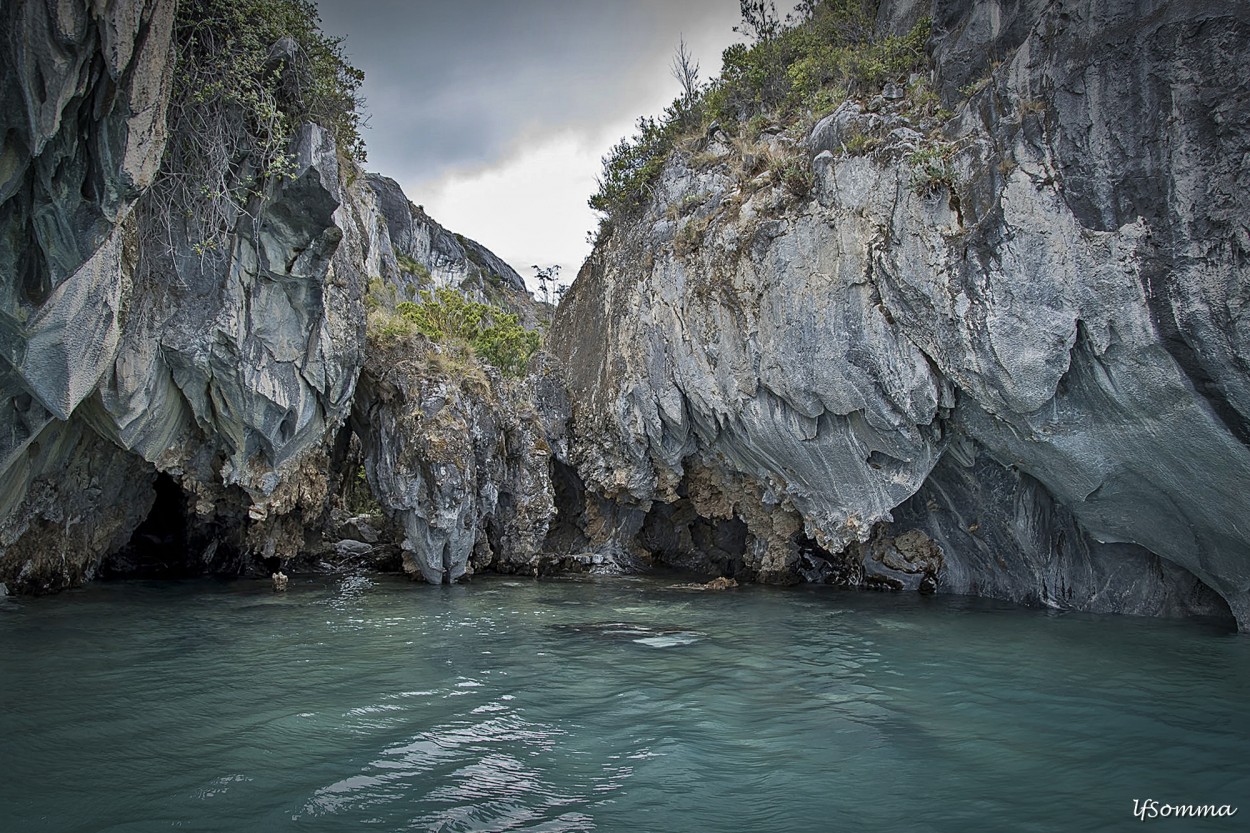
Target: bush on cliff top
<point>798,70</point>
<point>445,315</point>
<point>229,54</point>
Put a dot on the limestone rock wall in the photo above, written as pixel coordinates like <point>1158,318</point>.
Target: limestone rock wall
<point>460,456</point>
<point>83,124</point>
<point>130,351</point>
<point>1067,297</point>
<point>426,255</point>
<point>1021,374</point>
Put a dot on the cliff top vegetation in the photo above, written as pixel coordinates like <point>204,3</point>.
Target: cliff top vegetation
<point>445,315</point>
<point>793,72</point>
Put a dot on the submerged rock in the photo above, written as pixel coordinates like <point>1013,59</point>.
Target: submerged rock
<point>719,583</point>
<point>652,636</point>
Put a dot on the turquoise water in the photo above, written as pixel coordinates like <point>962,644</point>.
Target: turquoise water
<point>610,704</point>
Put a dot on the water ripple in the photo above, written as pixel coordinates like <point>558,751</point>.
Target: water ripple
<point>607,705</point>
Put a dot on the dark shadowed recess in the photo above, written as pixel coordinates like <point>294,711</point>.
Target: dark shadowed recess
<point>172,542</point>
<point>678,536</point>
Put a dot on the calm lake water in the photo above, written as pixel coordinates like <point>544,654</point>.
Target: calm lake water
<point>617,704</point>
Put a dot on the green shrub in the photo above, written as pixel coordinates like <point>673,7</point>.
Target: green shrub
<point>931,170</point>
<point>799,71</point>
<point>413,267</point>
<point>859,144</point>
<point>380,294</point>
<point>446,315</point>
<point>831,53</point>
<point>384,325</point>
<point>632,166</point>
<point>225,59</point>
<point>357,496</point>
<point>793,172</point>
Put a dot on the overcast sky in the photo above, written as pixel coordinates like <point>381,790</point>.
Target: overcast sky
<point>494,114</point>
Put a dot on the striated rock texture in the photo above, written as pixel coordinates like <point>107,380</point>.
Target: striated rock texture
<point>167,407</point>
<point>1005,355</point>
<point>426,254</point>
<point>458,455</point>
<point>83,123</point>
<point>1028,365</point>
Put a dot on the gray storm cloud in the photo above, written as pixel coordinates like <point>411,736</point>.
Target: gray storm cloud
<point>457,85</point>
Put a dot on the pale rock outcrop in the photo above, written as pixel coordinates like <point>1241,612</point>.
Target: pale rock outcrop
<point>442,258</point>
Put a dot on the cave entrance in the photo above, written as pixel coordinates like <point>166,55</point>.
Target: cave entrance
<point>566,533</point>
<point>158,546</point>
<point>677,535</point>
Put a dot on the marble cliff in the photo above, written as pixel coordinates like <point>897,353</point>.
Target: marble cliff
<point>1022,375</point>
<point>815,354</point>
<point>221,383</point>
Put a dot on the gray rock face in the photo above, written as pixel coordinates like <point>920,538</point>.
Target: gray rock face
<point>235,372</point>
<point>1065,296</point>
<point>67,240</point>
<point>459,455</point>
<point>64,490</point>
<point>65,200</point>
<point>63,195</point>
<point>129,351</point>
<point>991,522</point>
<point>448,259</point>
<point>1021,374</point>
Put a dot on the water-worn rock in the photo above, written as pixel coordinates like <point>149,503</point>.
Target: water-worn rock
<point>1065,296</point>
<point>459,455</point>
<point>63,193</point>
<point>1002,534</point>
<point>64,490</point>
<point>130,349</point>
<point>1017,369</point>
<point>237,376</point>
<point>83,99</point>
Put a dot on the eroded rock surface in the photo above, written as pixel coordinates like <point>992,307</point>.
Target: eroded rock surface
<point>459,455</point>
<point>83,124</point>
<point>1019,374</point>
<point>132,349</point>
<point>426,254</point>
<point>1067,297</point>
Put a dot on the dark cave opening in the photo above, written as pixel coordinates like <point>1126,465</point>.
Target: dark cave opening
<point>819,566</point>
<point>566,533</point>
<point>676,535</point>
<point>723,540</point>
<point>158,548</point>
<point>496,524</point>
